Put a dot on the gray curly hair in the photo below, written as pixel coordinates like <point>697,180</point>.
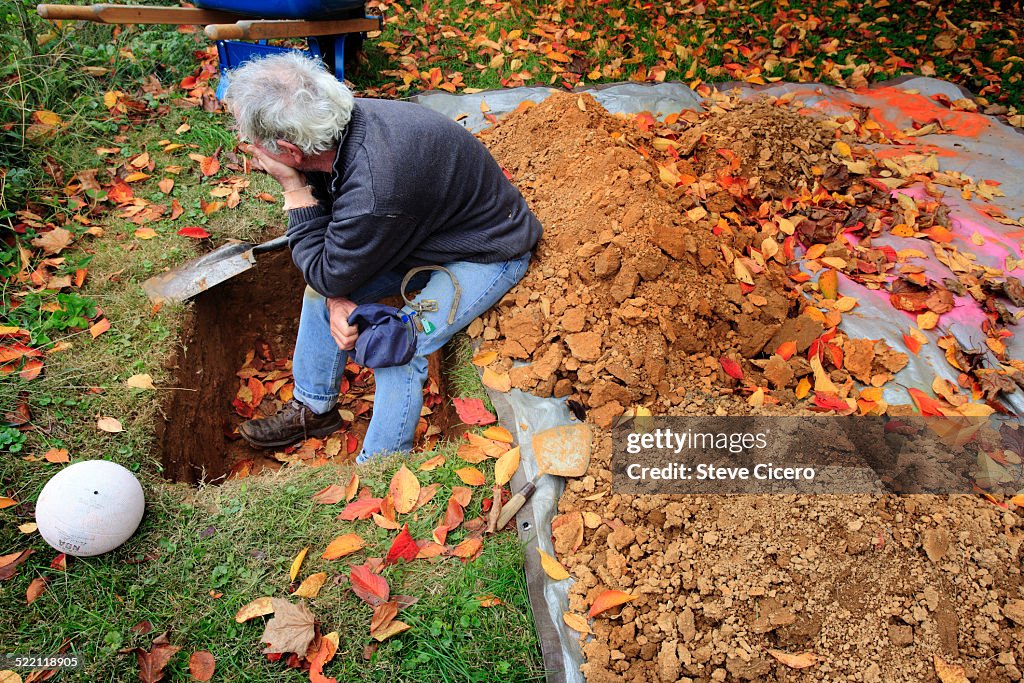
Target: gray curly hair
<point>289,97</point>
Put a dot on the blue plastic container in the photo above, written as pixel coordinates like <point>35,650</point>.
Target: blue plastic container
<point>284,9</point>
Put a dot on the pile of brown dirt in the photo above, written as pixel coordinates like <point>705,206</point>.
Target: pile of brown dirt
<point>635,298</point>
<point>631,299</point>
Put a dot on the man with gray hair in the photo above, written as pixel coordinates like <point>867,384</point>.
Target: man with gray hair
<point>374,188</point>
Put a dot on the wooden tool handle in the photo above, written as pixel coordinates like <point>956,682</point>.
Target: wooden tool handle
<point>514,504</point>
<point>58,12</point>
<point>262,29</point>
<point>134,14</point>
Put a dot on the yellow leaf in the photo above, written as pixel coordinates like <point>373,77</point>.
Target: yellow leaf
<point>834,262</point>
<point>144,381</point>
<point>552,567</point>
<point>392,629</point>
<point>145,233</point>
<point>800,661</point>
<point>948,673</point>
<point>111,97</point>
<point>28,528</point>
<point>310,587</point>
<point>577,622</point>
<point>828,283</point>
<point>343,545</point>
<point>822,382</point>
<point>499,381</point>
<point>667,176</point>
<point>405,490</point>
<point>297,563</point>
<point>470,476</point>
<point>484,359</point>
<point>803,388</point>
<point>756,399</point>
<point>928,320</point>
<point>506,466</point>
<point>257,608</point>
<point>846,304</point>
<point>841,149</point>
<point>498,434</point>
<point>47,118</point>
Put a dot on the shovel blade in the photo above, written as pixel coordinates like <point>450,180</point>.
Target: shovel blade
<point>195,277</point>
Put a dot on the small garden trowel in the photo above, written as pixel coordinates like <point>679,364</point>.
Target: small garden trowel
<point>199,275</point>
<point>563,451</point>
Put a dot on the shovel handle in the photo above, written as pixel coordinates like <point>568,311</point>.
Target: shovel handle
<point>515,503</point>
<point>273,245</point>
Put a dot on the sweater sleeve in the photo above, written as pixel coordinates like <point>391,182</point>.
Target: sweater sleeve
<point>337,256</point>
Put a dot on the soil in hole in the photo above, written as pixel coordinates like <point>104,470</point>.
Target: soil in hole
<point>256,311</point>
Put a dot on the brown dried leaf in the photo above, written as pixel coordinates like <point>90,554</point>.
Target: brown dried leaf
<point>800,661</point>
<point>291,629</point>
<point>202,665</point>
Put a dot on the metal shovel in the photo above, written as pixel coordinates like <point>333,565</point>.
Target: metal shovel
<point>563,451</point>
<point>199,275</point>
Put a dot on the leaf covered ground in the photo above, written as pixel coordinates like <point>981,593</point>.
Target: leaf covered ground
<point>116,162</point>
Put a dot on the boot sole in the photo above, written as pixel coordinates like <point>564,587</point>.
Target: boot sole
<point>312,433</point>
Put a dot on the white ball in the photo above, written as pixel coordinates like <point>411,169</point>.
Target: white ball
<point>90,508</point>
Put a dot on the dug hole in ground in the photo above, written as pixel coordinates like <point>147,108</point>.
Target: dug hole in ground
<point>644,281</point>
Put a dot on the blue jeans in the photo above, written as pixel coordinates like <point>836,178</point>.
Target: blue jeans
<point>319,364</point>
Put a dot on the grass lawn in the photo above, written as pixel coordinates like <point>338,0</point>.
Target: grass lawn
<point>100,126</point>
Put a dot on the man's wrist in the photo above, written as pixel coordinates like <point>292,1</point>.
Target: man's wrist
<point>299,197</point>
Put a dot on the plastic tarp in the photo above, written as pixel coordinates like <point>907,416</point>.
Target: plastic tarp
<point>973,144</point>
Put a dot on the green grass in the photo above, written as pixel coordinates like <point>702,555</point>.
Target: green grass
<point>240,539</point>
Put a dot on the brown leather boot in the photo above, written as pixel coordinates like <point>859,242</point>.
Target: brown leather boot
<point>294,422</point>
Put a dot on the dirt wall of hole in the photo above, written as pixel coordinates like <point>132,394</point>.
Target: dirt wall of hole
<point>226,322</point>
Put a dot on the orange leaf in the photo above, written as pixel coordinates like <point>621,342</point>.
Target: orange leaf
<point>405,490</point>
<point>468,548</point>
<point>31,369</point>
<point>56,455</point>
<point>166,185</point>
<point>101,326</point>
<point>432,464</point>
<point>360,509</point>
<point>351,487</point>
<point>926,404</point>
<point>787,350</point>
<point>609,599</point>
<point>471,476</point>
<point>343,545</point>
<point>484,359</point>
<point>913,345</point>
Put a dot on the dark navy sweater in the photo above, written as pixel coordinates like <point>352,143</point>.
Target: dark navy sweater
<point>410,187</point>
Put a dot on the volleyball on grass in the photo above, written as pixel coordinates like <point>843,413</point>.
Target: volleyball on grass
<point>90,508</point>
